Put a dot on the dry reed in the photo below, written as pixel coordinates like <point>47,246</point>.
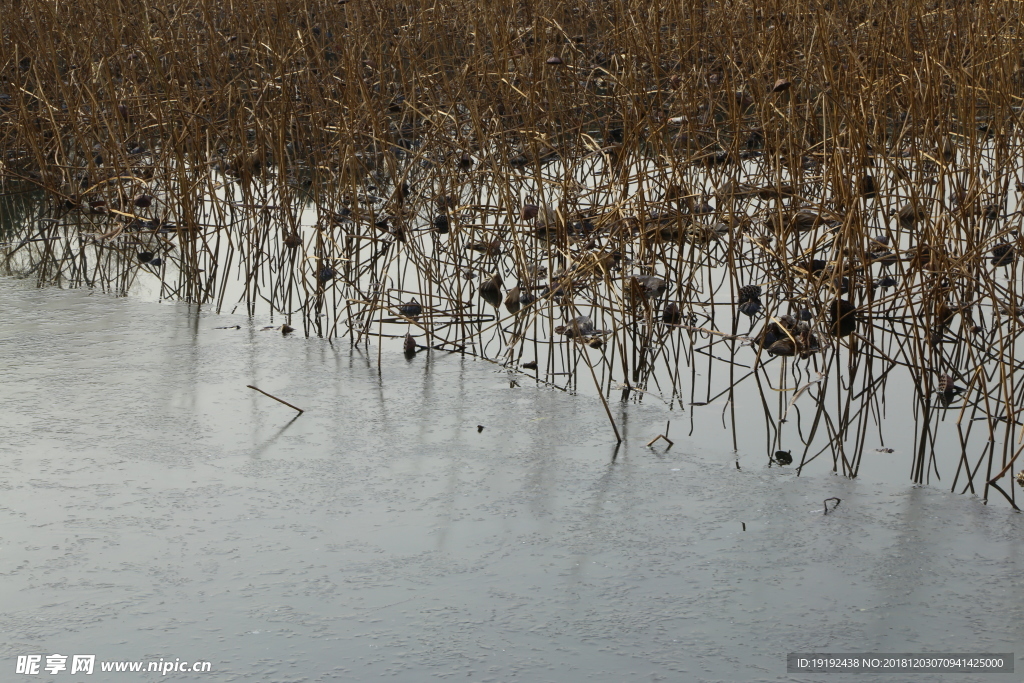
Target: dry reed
<point>643,189</point>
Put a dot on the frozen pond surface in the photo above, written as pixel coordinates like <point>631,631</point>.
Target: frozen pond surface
<point>151,506</point>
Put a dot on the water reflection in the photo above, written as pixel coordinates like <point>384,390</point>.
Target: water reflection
<point>379,533</point>
<point>803,371</point>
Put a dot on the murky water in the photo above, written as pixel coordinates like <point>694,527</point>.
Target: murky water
<point>152,507</point>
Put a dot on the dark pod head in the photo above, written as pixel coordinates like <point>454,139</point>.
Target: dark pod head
<point>441,224</point>
<point>947,387</point>
<point>783,347</point>
<point>411,309</point>
<point>1003,255</point>
<point>750,307</point>
<point>886,282</point>
<point>512,300</point>
<point>749,293</point>
<point>783,457</point>
<point>842,320</point>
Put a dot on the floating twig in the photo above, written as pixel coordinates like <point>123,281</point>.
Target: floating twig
<point>275,398</point>
<point>662,436</point>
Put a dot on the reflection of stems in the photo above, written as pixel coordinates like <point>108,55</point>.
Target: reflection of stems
<point>1007,467</point>
<point>275,398</point>
<point>1005,495</point>
<point>604,402</point>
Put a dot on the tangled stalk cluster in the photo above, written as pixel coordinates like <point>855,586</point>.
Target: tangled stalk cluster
<point>826,188</point>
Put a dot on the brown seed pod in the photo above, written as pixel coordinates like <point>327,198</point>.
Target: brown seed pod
<point>782,85</point>
<point>777,329</point>
<point>490,290</point>
<point>749,293</point>
<point>868,186</point>
<point>1003,255</point>
<point>486,248</point>
<point>650,285</point>
<point>776,193</point>
<point>581,326</point>
<point>783,347</point>
<point>943,315</point>
<point>911,213</point>
<point>948,150</point>
<point>743,100</point>
<point>947,387</point>
<point>512,301</point>
<point>803,220</point>
<point>807,343</point>
<point>401,192</point>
